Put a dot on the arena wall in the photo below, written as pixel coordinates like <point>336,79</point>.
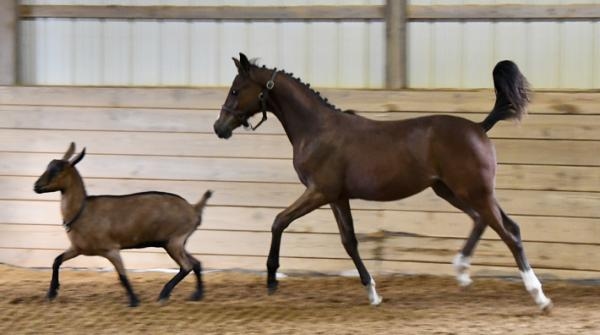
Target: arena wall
<point>140,139</point>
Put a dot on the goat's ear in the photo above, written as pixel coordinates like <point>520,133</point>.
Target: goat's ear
<point>70,151</point>
<point>77,158</point>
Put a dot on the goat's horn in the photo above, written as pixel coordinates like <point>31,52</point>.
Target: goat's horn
<point>70,151</point>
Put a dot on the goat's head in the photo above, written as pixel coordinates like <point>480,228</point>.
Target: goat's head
<point>56,176</point>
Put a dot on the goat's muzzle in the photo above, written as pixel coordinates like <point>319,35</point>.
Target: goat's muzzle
<point>38,188</point>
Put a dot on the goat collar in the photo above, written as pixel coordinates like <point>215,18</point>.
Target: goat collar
<point>67,224</point>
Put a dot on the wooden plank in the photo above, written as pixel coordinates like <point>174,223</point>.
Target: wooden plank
<point>388,247</point>
<point>145,261</point>
<point>355,12</point>
<point>534,126</point>
<point>505,12</point>
<point>438,101</point>
<point>509,176</point>
<point>396,43</point>
<point>248,145</point>
<point>367,222</point>
<point>8,41</point>
<point>275,195</point>
<point>288,13</point>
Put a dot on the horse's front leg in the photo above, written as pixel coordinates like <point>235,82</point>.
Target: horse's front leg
<point>343,217</point>
<point>309,201</point>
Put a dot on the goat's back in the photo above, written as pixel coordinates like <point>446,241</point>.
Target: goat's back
<point>133,221</point>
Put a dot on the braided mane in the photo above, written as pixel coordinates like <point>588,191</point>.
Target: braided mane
<point>298,80</point>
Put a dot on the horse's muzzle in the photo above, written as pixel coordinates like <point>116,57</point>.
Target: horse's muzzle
<point>222,130</point>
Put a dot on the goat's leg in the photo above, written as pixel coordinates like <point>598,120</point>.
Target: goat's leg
<point>176,250</point>
<point>115,258</point>
<point>54,283</point>
<point>197,267</point>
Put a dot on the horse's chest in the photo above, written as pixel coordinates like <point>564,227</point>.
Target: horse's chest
<point>317,166</point>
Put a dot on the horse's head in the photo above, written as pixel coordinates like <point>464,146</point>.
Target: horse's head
<point>246,97</point>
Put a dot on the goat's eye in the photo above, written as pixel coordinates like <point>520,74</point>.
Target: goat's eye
<point>234,92</point>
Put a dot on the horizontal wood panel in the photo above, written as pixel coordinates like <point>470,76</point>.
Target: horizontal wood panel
<point>287,13</point>
<point>534,126</point>
<point>356,12</point>
<point>520,177</point>
<point>145,260</point>
<point>510,151</point>
<point>362,100</point>
<point>505,12</point>
<point>367,223</point>
<point>521,202</point>
<point>312,245</point>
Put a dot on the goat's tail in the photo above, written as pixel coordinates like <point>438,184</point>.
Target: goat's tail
<point>512,94</point>
<point>199,206</point>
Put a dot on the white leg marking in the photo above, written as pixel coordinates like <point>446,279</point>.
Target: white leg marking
<point>374,298</point>
<point>461,266</point>
<point>534,287</point>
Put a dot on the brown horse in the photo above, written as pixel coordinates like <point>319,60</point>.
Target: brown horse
<point>340,156</point>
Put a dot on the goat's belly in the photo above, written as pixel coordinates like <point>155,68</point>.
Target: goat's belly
<point>146,244</point>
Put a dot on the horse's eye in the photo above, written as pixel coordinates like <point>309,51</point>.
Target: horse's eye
<point>234,92</point>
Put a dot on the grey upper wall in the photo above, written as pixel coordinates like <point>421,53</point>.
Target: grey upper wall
<point>553,55</point>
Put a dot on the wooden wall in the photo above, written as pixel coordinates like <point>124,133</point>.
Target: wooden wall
<point>161,139</point>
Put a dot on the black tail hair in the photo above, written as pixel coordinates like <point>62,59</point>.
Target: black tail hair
<point>512,94</point>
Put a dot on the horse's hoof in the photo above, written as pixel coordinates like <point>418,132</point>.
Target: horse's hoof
<point>464,280</point>
<point>376,301</point>
<point>162,299</point>
<point>547,307</point>
<point>272,287</point>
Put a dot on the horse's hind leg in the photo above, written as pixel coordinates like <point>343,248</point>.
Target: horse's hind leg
<point>343,217</point>
<point>508,230</point>
<point>462,261</point>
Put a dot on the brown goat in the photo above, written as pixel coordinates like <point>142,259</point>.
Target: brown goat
<point>103,225</point>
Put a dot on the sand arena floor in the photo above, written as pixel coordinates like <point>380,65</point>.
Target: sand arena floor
<point>236,303</point>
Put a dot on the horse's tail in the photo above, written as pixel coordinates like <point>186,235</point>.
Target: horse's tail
<point>512,94</point>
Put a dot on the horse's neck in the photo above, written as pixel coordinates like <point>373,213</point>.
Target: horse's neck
<point>72,197</point>
<point>298,110</point>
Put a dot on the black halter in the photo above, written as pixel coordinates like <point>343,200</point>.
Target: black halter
<point>262,99</point>
<point>67,224</point>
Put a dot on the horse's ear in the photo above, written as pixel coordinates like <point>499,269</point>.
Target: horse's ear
<point>77,158</point>
<point>243,64</point>
<point>70,151</point>
<point>237,64</point>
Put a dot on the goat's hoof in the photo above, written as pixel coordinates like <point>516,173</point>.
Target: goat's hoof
<point>134,303</point>
<point>163,301</point>
<point>51,295</point>
<point>197,296</point>
<point>272,287</point>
